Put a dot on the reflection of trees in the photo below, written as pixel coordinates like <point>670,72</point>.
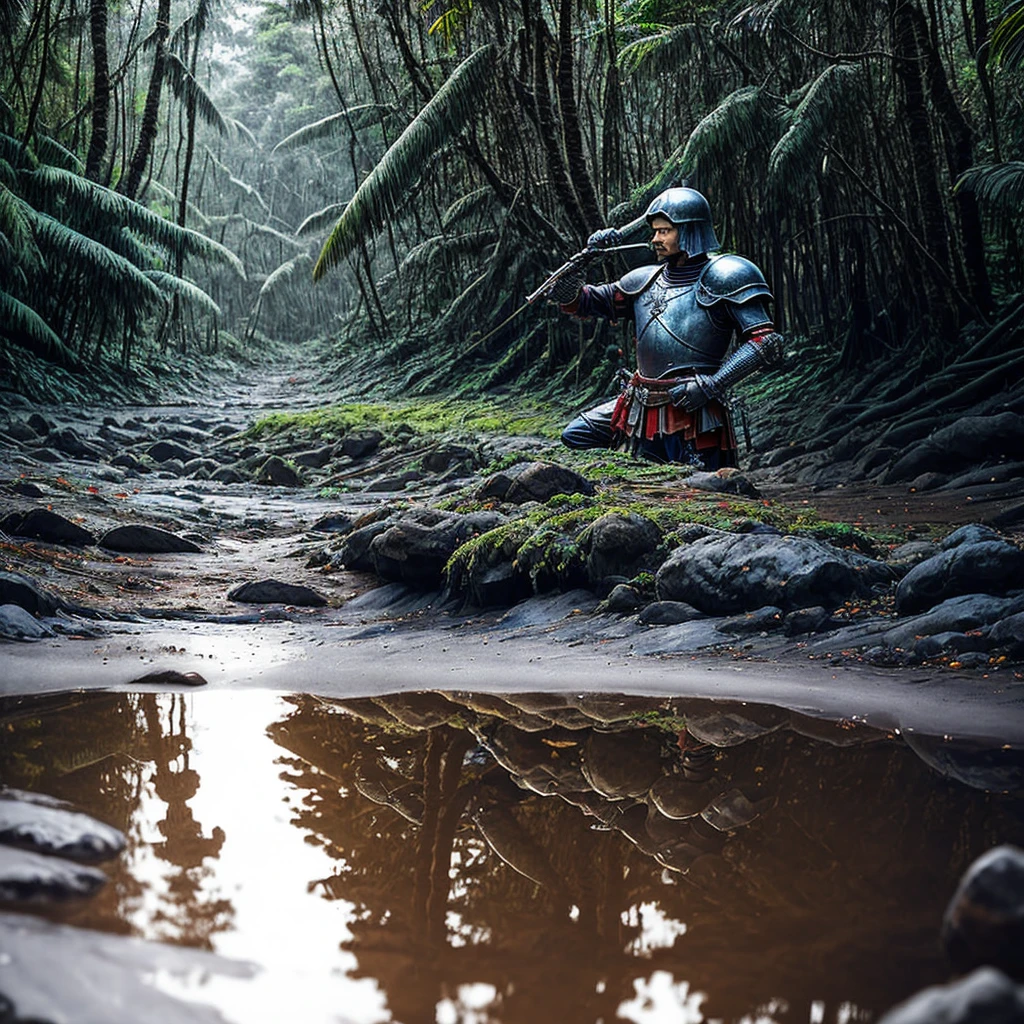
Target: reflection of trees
<point>100,752</point>
<point>838,845</point>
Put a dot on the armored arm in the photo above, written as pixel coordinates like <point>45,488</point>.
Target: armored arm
<point>753,355</point>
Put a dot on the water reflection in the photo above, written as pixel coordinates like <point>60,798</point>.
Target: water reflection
<point>528,857</point>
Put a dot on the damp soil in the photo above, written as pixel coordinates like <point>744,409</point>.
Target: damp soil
<point>464,857</point>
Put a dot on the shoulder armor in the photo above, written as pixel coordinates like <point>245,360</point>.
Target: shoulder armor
<point>636,280</point>
<point>730,278</point>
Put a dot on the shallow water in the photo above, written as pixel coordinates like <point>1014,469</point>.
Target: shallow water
<point>526,858</point>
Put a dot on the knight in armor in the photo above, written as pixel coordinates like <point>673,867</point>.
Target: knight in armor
<point>685,311</point>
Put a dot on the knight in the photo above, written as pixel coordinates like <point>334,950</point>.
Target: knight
<point>686,311</point>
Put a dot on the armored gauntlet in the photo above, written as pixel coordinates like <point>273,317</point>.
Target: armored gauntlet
<point>751,356</point>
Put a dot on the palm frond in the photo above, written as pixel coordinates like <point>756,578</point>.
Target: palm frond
<point>51,152</point>
<point>16,226</point>
<point>7,118</point>
<point>335,124</point>
<point>267,231</point>
<point>734,127</point>
<point>666,50</point>
<point>187,90</point>
<point>244,131</point>
<point>466,206</point>
<point>186,290</point>
<point>998,185</point>
<point>103,203</point>
<point>22,324</point>
<point>194,25</point>
<point>829,98</point>
<point>11,14</point>
<point>424,257</point>
<point>440,121</point>
<point>320,220</point>
<point>282,276</point>
<point>15,154</point>
<point>1007,44</point>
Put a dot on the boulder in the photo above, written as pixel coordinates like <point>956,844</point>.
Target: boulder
<point>669,613</point>
<point>275,472</point>
<point>1008,632</point>
<point>760,620</point>
<point>984,567</point>
<point>618,765</point>
<point>971,533</point>
<point>164,451</point>
<point>17,624</point>
<point>806,620</point>
<point>738,573</point>
<point>40,424</point>
<point>359,444</point>
<point>70,442</point>
<point>35,822</point>
<point>622,599</point>
<point>227,475</point>
<point>354,552</point>
<point>42,524</point>
<point>533,481</point>
<point>24,592</point>
<point>619,544</point>
<point>27,877</point>
<point>985,997</point>
<point>728,480</point>
<point>333,522</point>
<point>150,540</point>
<point>273,591</point>
<point>958,614</point>
<point>447,455</point>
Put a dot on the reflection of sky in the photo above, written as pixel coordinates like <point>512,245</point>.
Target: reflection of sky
<point>263,868</point>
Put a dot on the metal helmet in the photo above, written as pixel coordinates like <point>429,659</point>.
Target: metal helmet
<point>689,211</point>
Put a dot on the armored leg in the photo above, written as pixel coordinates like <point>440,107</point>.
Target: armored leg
<point>591,429</point>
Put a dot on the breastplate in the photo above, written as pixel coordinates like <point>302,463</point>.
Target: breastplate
<point>672,331</point>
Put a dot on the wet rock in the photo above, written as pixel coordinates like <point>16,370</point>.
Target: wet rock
<point>391,482</point>
<point>497,586</point>
<point>928,482</point>
<point>730,810</point>
<point>47,455</point>
<point>727,575</point>
<point>354,552</point>
<point>27,488</point>
<point>359,444</point>
<point>40,424</point>
<point>276,472</point>
<point>619,765</point>
<point>971,533</point>
<point>903,558</point>
<point>732,728</point>
<point>42,524</point>
<point>985,997</point>
<point>447,455</point>
<point>20,431</point>
<point>31,821</point>
<point>971,660</point>
<point>533,481</point>
<point>316,458</point>
<point>416,548</point>
<point>985,567</point>
<point>956,615</point>
<point>24,592</point>
<point>953,643</point>
<point>27,877</point>
<point>678,797</point>
<point>146,540</point>
<point>17,624</point>
<point>200,466</point>
<point>168,677</point>
<point>761,620</point>
<point>70,442</point>
<point>622,599</point>
<point>669,613</point>
<point>273,591</point>
<point>728,480</point>
<point>163,451</point>
<point>619,545</point>
<point>333,522</point>
<point>125,460</point>
<point>1008,632</point>
<point>227,475</point>
<point>806,620</point>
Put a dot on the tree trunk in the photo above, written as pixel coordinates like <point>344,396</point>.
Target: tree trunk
<point>101,89</point>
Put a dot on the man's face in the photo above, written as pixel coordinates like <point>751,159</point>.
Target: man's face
<point>665,240</point>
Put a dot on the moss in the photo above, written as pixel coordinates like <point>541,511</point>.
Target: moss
<point>657,719</point>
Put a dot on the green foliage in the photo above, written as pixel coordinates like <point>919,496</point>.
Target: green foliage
<point>23,324</point>
<point>737,125</point>
<point>191,93</point>
<point>353,119</point>
<point>1000,186</point>
<point>1007,44</point>
<point>665,51</point>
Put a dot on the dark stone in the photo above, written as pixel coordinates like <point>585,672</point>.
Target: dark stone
<point>619,765</point>
<point>986,567</point>
<point>17,624</point>
<point>70,442</point>
<point>20,431</point>
<point>227,475</point>
<point>360,444</point>
<point>760,620</point>
<point>725,481</point>
<point>202,465</point>
<point>669,613</point>
<point>147,540</point>
<point>168,677</point>
<point>619,545</point>
<point>533,481</point>
<point>162,451</point>
<point>276,472</point>
<point>957,614</point>
<point>971,533</point>
<point>354,552</point>
<point>984,922</point>
<point>623,599</point>
<point>316,458</point>
<point>971,660</point>
<point>31,821</point>
<point>806,620</point>
<point>391,482</point>
<point>952,642</point>
<point>42,524</point>
<point>985,997</point>
<point>128,461</point>
<point>1008,632</point>
<point>115,436</point>
<point>27,877</point>
<point>445,456</point>
<point>497,586</point>
<point>28,489</point>
<point>40,424</point>
<point>903,558</point>
<point>929,481</point>
<point>275,592</point>
<point>333,522</point>
<point>20,590</point>
<point>736,573</point>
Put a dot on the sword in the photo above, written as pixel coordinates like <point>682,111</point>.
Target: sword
<point>583,256</point>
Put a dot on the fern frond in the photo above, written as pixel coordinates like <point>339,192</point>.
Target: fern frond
<point>425,256</point>
<point>186,290</point>
<point>244,131</point>
<point>387,185</point>
<point>188,91</point>
<point>16,226</point>
<point>22,324</point>
<point>1007,44</point>
<point>282,275</point>
<point>320,220</point>
<point>830,96</point>
<point>998,185</point>
<point>51,152</point>
<point>465,206</point>
<point>15,154</point>
<point>734,127</point>
<point>335,124</point>
<point>665,51</point>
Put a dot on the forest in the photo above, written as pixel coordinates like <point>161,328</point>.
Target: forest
<point>183,181</point>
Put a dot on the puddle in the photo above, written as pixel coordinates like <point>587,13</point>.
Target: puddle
<point>467,859</point>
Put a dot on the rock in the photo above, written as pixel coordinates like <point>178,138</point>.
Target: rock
<point>971,533</point>
<point>958,614</point>
<point>26,488</point>
<point>618,765</point>
<point>445,456</point>
<point>27,877</point>
<point>906,556</point>
<point>678,797</point>
<point>146,540</point>
<point>42,524</point>
<point>929,481</point>
<point>164,451</point>
<point>227,475</point>
<point>728,480</point>
<point>360,444</point>
<point>317,458</point>
<point>497,586</point>
<point>619,545</point>
<point>125,460</point>
<point>40,424</point>
<point>200,466</point>
<point>806,620</point>
<point>985,997</point>
<point>22,591</point>
<point>952,643</point>
<point>168,677</point>
<point>1008,632</point>
<point>737,573</point>
<point>272,591</point>
<point>47,455</point>
<point>17,624</point>
<point>20,431</point>
<point>623,599</point>
<point>70,442</point>
<point>277,473</point>
<point>533,481</point>
<point>985,567</point>
<point>760,620</point>
<point>354,552</point>
<point>959,445</point>
<point>45,825</point>
<point>727,728</point>
<point>388,483</point>
<point>333,522</point>
<point>669,613</point>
